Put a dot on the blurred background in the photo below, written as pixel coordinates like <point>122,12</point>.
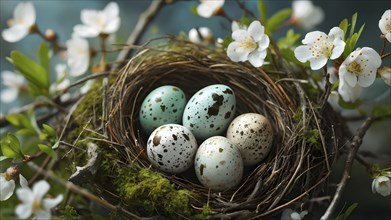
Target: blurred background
<point>61,16</point>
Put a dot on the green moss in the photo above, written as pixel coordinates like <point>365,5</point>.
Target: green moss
<point>149,193</point>
<point>312,137</point>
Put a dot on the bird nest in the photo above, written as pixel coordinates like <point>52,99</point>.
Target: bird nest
<point>303,147</point>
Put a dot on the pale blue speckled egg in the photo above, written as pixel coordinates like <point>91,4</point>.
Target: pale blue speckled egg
<point>164,105</point>
<point>210,110</point>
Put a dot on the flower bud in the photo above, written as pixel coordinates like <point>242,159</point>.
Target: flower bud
<point>50,35</point>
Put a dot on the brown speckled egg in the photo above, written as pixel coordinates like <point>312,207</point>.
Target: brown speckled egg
<point>252,134</point>
<point>172,148</point>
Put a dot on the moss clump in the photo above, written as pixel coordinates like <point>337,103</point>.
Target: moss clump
<point>149,193</point>
<point>312,137</point>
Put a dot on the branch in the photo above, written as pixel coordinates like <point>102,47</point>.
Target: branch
<point>355,145</point>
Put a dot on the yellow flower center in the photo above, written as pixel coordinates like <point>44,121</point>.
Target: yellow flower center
<point>383,184</point>
<point>322,47</point>
<point>37,205</point>
<point>6,176</point>
<point>355,68</point>
<point>388,27</point>
<point>248,44</point>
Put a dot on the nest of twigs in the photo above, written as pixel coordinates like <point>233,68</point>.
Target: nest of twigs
<point>299,162</point>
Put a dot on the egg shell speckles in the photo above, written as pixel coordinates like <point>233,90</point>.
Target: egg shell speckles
<point>171,148</point>
<point>252,134</point>
<point>209,111</point>
<point>164,105</point>
<point>218,164</point>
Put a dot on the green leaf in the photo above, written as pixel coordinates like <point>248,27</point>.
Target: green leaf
<point>354,20</point>
<point>26,132</point>
<point>20,121</point>
<point>344,26</point>
<point>275,21</point>
<point>55,145</point>
<point>227,41</point>
<point>33,72</point>
<point>43,54</point>
<point>49,130</point>
<point>194,10</point>
<point>347,213</point>
<point>245,21</point>
<point>3,158</point>
<point>381,110</point>
<point>349,105</point>
<point>10,146</point>
<point>335,86</point>
<point>45,148</point>
<point>289,40</point>
<point>262,11</point>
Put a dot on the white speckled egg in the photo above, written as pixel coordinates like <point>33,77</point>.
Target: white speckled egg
<point>218,164</point>
<point>252,134</point>
<point>164,105</point>
<point>171,148</point>
<point>209,111</point>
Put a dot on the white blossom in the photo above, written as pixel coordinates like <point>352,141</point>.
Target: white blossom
<point>360,67</point>
<point>208,8</point>
<point>250,44</point>
<point>21,23</point>
<point>97,22</point>
<point>385,24</point>
<point>237,26</point>
<point>385,74</point>
<point>201,35</point>
<point>289,214</point>
<point>349,93</point>
<point>87,86</point>
<point>14,83</point>
<point>306,15</point>
<point>382,185</point>
<point>34,203</point>
<point>7,182</point>
<point>78,55</point>
<point>320,47</point>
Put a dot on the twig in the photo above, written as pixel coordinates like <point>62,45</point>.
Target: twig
<point>355,144</point>
<point>385,55</point>
<point>244,8</point>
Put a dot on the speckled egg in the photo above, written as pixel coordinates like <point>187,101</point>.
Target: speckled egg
<point>164,105</point>
<point>218,164</point>
<point>252,134</point>
<point>209,111</point>
<point>171,148</point>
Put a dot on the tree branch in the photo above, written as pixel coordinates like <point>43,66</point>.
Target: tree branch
<point>354,146</point>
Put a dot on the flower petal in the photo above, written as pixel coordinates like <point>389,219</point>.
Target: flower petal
<point>204,10</point>
<point>51,203</point>
<point>85,31</point>
<point>348,93</point>
<point>388,37</point>
<point>336,33</point>
<point>315,17</point>
<point>257,58</point>
<point>311,37</point>
<point>9,95</point>
<point>318,63</point>
<point>256,30</point>
<point>89,17</point>
<point>43,214</point>
<point>303,53</point>
<point>111,11</point>
<point>24,210</point>
<point>373,57</point>
<point>366,79</point>
<point>240,35</point>
<point>264,42</point>
<point>40,188</point>
<point>14,33</point>
<point>112,26</point>
<point>25,12</point>
<point>6,188</point>
<point>339,47</point>
<point>234,54</point>
<point>25,195</point>
<point>23,182</point>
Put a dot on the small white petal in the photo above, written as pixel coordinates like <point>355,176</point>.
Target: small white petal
<point>233,54</point>
<point>386,76</point>
<point>336,33</point>
<point>348,93</point>
<point>383,185</point>
<point>85,31</point>
<point>350,78</point>
<point>23,181</point>
<point>23,211</point>
<point>285,214</point>
<point>303,53</point>
<point>89,17</point>
<point>366,80</point>
<point>339,47</point>
<point>51,203</point>
<point>40,188</point>
<point>256,30</point>
<point>311,37</point>
<point>205,10</point>
<point>111,10</point>
<point>112,26</point>
<point>43,214</point>
<point>87,86</point>
<point>9,95</point>
<point>263,44</point>
<point>14,33</point>
<point>25,195</point>
<point>6,188</point>
<point>318,63</point>
<point>257,58</point>
<point>373,57</point>
<point>194,36</point>
<point>384,22</point>
<point>240,35</point>
<point>388,37</point>
<point>25,12</point>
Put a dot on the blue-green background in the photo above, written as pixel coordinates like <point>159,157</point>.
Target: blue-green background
<point>61,16</point>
